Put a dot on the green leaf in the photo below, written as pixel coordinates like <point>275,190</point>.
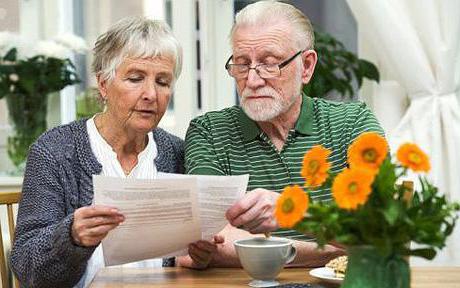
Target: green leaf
<point>337,69</point>
<point>11,55</point>
<point>427,253</point>
<point>369,70</point>
<point>391,213</point>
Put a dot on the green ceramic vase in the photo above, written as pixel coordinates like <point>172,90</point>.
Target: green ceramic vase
<point>368,269</point>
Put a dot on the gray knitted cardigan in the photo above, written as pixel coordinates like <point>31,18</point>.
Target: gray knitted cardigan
<point>57,181</point>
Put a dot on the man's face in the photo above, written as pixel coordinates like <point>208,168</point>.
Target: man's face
<point>265,99</point>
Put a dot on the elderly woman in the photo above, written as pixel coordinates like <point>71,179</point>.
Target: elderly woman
<point>58,230</point>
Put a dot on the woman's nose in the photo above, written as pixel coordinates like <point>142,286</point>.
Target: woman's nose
<point>149,92</point>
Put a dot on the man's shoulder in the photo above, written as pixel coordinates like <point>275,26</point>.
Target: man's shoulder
<point>218,118</point>
<point>339,111</point>
<point>337,106</point>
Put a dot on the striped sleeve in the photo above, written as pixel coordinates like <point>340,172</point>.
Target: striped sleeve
<point>365,122</point>
<point>200,156</point>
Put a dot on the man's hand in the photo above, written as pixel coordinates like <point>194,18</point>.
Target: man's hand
<point>92,223</point>
<point>200,253</point>
<point>254,212</point>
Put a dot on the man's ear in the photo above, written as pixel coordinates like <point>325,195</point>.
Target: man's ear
<point>309,59</point>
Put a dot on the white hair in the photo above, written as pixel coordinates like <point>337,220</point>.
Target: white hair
<point>135,37</point>
<point>265,12</point>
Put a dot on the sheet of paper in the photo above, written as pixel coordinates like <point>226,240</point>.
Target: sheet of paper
<point>161,217</point>
<point>215,195</point>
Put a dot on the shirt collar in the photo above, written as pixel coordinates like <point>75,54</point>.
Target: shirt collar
<point>304,124</point>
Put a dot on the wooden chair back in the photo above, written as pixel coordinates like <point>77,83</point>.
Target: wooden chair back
<point>8,199</point>
<point>407,196</point>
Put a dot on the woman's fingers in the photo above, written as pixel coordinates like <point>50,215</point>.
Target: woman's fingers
<point>92,223</point>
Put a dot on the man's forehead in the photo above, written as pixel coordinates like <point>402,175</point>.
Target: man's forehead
<point>272,38</point>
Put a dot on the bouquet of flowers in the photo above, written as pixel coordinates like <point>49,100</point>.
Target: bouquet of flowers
<point>28,73</point>
<point>369,209</point>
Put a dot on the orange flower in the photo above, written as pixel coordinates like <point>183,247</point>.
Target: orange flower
<point>368,151</point>
<point>411,156</point>
<point>352,187</point>
<point>315,166</point>
<point>291,206</point>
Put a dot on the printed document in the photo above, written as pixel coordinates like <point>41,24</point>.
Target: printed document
<point>164,215</point>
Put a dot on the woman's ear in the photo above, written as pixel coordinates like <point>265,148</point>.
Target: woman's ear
<point>101,86</point>
<point>309,59</point>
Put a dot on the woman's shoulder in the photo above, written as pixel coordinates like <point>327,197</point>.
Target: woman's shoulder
<point>63,134</point>
<point>170,152</point>
<point>62,139</point>
<point>163,137</point>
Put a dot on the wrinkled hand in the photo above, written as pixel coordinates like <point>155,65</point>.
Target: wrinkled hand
<point>254,212</point>
<point>92,223</point>
<point>201,252</point>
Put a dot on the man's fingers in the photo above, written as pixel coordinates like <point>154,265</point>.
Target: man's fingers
<point>219,239</point>
<point>201,257</point>
<point>257,213</point>
<point>241,206</point>
<point>206,246</point>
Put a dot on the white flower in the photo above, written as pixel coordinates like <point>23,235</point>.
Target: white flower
<point>51,49</point>
<point>10,40</point>
<point>12,88</point>
<point>71,41</point>
<point>14,77</point>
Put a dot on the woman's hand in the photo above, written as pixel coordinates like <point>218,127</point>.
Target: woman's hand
<point>92,223</point>
<point>200,253</point>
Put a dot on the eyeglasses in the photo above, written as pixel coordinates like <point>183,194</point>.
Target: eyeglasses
<point>241,71</point>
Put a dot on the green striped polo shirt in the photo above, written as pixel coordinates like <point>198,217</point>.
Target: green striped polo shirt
<point>228,142</point>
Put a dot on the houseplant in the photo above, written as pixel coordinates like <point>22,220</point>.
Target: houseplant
<point>369,213</point>
<point>337,69</point>
<point>28,73</point>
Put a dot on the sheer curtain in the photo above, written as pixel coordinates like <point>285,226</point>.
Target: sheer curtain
<point>418,43</point>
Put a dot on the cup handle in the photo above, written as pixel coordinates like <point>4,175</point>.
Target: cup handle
<point>292,254</point>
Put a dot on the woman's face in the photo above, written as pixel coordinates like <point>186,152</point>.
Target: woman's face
<point>139,94</point>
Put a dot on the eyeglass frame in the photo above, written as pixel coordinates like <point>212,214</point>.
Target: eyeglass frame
<point>280,66</point>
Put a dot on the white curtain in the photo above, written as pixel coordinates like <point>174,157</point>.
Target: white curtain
<point>417,43</point>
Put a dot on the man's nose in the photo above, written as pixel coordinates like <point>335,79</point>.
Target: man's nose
<point>254,81</point>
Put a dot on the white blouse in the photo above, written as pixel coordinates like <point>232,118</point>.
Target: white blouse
<point>144,169</point>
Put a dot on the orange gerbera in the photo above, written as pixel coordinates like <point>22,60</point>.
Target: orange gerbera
<point>352,187</point>
<point>411,156</point>
<point>368,151</point>
<point>315,166</point>
<point>291,206</point>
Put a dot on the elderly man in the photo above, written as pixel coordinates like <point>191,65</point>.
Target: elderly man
<point>275,124</point>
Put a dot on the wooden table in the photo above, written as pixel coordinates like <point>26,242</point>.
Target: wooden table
<point>445,277</point>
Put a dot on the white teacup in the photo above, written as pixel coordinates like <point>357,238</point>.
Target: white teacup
<point>263,258</point>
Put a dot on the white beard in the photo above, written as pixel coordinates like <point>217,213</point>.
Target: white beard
<point>267,108</point>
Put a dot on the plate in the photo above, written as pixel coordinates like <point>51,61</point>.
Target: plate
<point>326,274</point>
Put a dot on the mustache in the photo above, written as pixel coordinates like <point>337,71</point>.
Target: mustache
<point>265,91</point>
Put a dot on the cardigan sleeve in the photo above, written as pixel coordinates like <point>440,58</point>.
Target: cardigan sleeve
<point>44,254</point>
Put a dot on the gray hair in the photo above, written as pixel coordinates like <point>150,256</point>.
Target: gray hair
<point>135,37</point>
<point>266,12</point>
